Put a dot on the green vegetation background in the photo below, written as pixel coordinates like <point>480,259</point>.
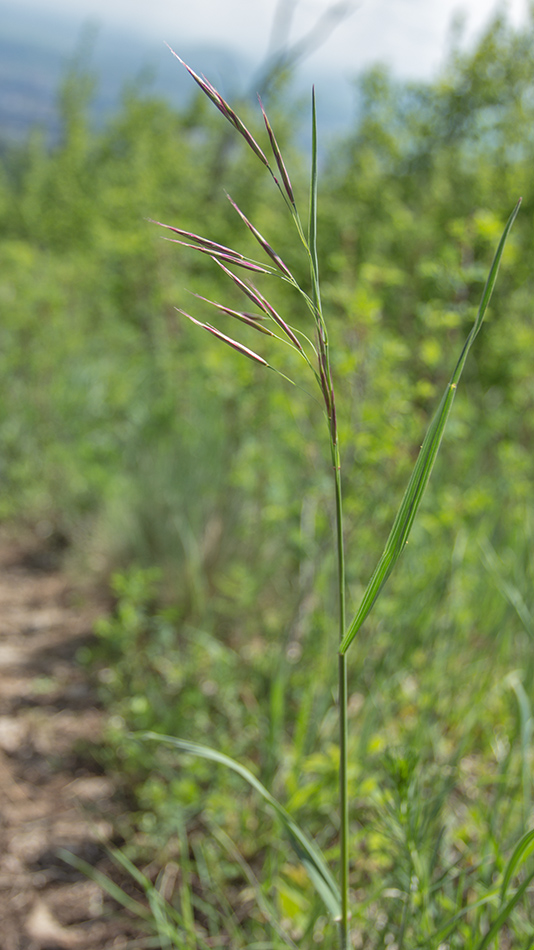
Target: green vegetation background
<point>151,445</point>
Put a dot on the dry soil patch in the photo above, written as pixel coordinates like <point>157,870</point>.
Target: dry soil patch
<point>52,794</point>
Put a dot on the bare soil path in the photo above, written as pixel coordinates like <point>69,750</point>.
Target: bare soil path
<point>52,795</point>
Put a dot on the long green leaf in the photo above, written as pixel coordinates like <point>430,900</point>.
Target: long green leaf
<point>425,461</point>
<point>306,849</point>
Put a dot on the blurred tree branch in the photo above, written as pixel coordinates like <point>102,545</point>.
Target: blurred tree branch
<point>281,59</point>
<point>283,56</point>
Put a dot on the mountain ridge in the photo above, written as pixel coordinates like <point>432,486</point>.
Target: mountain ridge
<point>37,50</point>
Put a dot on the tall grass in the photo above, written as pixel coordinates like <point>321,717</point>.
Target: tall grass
<point>308,341</point>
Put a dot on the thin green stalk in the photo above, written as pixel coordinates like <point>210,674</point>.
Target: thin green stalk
<point>343,803</point>
<point>343,713</point>
<point>328,393</point>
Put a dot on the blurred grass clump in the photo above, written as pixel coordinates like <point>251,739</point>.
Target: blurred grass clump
<point>150,447</point>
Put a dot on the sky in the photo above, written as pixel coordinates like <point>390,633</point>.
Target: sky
<point>412,36</point>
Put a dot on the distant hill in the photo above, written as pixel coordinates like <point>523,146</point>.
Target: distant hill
<point>37,49</point>
<point>36,52</point>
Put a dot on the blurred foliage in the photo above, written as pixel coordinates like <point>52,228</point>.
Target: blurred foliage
<point>151,445</point>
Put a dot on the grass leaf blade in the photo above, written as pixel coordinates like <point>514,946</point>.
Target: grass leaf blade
<point>508,590</point>
<point>504,914</point>
<point>107,885</point>
<point>446,928</point>
<point>305,848</point>
<point>425,461</point>
<point>522,850</point>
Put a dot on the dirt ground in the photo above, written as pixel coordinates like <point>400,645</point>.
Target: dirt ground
<point>52,794</point>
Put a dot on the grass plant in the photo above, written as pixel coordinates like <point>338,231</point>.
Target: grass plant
<point>310,348</point>
<point>157,446</point>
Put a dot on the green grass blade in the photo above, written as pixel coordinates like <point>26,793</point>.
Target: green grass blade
<point>109,886</point>
<point>176,929</point>
<point>123,862</point>
<point>504,914</point>
<point>522,850</point>
<point>160,916</point>
<point>306,849</point>
<point>425,461</point>
<point>509,591</point>
<point>312,228</point>
<point>267,910</point>
<point>526,725</point>
<point>446,929</point>
<point>157,902</point>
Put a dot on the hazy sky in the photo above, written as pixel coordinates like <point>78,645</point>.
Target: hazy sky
<point>409,34</point>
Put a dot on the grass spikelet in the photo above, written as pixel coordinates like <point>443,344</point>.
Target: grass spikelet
<point>198,239</point>
<point>261,240</point>
<point>212,248</point>
<point>251,319</point>
<point>223,256</point>
<point>223,107</point>
<point>227,339</point>
<point>278,156</point>
<point>250,291</point>
<point>257,298</point>
<point>269,309</point>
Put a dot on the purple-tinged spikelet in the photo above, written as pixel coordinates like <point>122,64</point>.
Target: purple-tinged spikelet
<point>268,308</point>
<point>278,156</point>
<point>333,416</point>
<point>219,255</point>
<point>204,242</point>
<point>212,248</point>
<point>325,388</point>
<point>226,339</point>
<point>261,240</point>
<point>251,319</point>
<point>257,298</point>
<point>223,107</point>
<point>247,289</point>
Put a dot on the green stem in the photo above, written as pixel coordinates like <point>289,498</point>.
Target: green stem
<point>324,378</point>
<point>343,718</point>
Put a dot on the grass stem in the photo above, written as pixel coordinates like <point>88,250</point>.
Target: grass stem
<point>343,716</point>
